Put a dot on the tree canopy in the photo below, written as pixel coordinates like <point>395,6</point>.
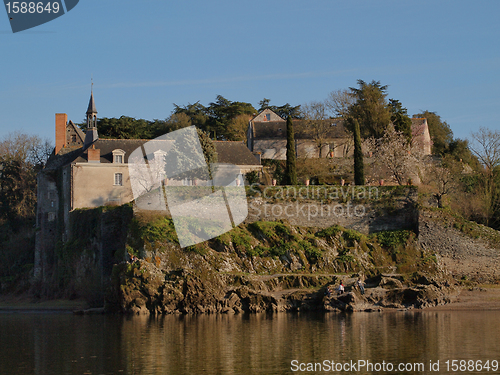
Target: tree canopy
<point>370,108</point>
<point>400,118</point>
<point>215,119</point>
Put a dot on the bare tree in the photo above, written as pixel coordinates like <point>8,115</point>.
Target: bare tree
<point>486,146</point>
<point>21,155</point>
<point>399,156</point>
<point>30,149</point>
<point>338,103</point>
<point>443,176</point>
<point>315,115</point>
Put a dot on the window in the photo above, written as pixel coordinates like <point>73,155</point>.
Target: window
<point>73,138</point>
<point>118,156</point>
<point>118,179</point>
<point>268,117</point>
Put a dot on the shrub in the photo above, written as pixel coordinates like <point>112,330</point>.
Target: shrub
<point>352,235</point>
<point>313,254</point>
<point>330,232</point>
<point>393,238</point>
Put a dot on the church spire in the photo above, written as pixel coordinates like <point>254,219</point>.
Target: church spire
<point>91,134</point>
<point>91,111</point>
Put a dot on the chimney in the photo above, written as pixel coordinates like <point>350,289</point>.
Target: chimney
<point>61,121</point>
<point>93,155</point>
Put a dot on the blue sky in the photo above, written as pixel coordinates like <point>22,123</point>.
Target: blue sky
<point>145,55</point>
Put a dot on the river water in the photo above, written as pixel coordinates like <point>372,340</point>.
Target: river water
<point>58,343</point>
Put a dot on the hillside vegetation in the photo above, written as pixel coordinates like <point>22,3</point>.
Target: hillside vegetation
<point>270,266</point>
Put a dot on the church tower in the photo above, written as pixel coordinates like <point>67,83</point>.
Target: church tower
<point>91,112</point>
<point>91,134</point>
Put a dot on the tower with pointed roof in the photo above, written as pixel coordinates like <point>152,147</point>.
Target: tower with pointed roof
<point>91,112</point>
<point>91,134</point>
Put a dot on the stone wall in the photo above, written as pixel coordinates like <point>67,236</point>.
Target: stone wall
<point>306,148</point>
<point>94,185</point>
<point>368,215</point>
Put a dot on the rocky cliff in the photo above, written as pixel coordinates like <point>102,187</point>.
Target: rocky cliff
<point>408,256</point>
<point>274,266</point>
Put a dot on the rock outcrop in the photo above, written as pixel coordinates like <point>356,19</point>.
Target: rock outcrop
<point>178,281</point>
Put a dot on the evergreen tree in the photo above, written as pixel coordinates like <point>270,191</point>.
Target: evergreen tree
<point>359,172</point>
<point>291,168</point>
<point>370,109</point>
<point>400,118</point>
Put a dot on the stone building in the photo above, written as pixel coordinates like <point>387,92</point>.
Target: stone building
<point>421,135</point>
<point>85,172</point>
<point>266,136</point>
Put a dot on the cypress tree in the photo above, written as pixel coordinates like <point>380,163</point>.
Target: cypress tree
<point>291,168</point>
<point>359,172</point>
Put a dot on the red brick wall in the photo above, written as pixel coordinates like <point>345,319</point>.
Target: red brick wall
<point>61,121</point>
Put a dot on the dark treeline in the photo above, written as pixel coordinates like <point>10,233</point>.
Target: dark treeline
<point>224,119</point>
<point>221,120</point>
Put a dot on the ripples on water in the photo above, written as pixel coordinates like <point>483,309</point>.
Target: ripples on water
<point>47,343</point>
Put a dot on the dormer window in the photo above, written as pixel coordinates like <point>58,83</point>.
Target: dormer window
<point>118,156</point>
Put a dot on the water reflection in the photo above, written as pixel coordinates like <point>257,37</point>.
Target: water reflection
<point>241,344</point>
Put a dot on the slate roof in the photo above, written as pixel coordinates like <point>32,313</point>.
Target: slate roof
<point>62,158</point>
<point>235,153</point>
<point>108,145</point>
<point>228,152</point>
<point>91,108</point>
<point>268,130</point>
